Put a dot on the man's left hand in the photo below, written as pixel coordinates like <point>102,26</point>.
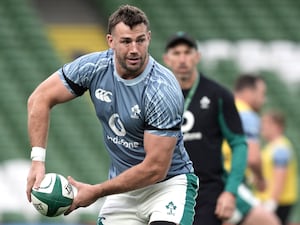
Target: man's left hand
<point>225,205</point>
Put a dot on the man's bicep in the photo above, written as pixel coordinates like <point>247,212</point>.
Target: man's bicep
<point>159,148</point>
<point>53,90</point>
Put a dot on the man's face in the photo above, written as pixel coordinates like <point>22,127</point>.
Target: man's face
<point>182,60</point>
<point>259,95</point>
<point>130,47</point>
<point>267,127</point>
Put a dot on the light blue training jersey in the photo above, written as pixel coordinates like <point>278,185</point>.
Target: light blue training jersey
<point>250,120</point>
<point>151,102</point>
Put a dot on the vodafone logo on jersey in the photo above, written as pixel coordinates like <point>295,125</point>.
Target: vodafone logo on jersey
<point>116,125</point>
<point>103,95</point>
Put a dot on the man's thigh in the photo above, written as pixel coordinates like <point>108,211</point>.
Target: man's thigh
<point>172,200</point>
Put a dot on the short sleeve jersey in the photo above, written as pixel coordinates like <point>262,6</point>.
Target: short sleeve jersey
<point>210,118</point>
<point>280,153</point>
<point>151,102</point>
<point>250,121</point>
<point>251,128</point>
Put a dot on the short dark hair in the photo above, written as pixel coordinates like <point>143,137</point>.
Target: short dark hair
<point>246,81</point>
<point>277,117</point>
<point>129,15</point>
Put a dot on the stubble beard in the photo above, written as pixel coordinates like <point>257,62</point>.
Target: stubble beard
<point>131,70</point>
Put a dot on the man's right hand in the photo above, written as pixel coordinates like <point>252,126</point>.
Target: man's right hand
<point>35,177</point>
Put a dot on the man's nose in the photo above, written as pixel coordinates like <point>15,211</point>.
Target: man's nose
<point>133,47</point>
<point>182,58</point>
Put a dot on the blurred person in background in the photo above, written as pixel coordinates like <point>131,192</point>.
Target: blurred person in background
<point>140,106</point>
<point>279,167</point>
<point>210,117</point>
<point>250,94</point>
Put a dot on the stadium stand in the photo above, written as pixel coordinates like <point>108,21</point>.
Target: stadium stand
<point>228,32</point>
<point>71,41</point>
<point>75,145</point>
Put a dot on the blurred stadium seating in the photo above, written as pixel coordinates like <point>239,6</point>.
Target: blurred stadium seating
<point>234,36</point>
<point>75,144</point>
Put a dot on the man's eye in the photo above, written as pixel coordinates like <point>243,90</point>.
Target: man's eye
<point>125,41</point>
<point>140,40</point>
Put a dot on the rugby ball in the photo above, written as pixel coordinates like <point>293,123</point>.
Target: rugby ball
<point>54,196</point>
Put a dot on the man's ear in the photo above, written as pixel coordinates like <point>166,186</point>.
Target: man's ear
<point>149,35</point>
<point>166,59</point>
<point>109,40</point>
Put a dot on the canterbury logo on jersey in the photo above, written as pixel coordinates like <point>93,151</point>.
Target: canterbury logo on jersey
<point>103,95</point>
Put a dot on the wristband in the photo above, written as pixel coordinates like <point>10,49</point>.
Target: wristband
<point>38,154</point>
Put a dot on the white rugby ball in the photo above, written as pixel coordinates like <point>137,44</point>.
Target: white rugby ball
<point>54,196</point>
